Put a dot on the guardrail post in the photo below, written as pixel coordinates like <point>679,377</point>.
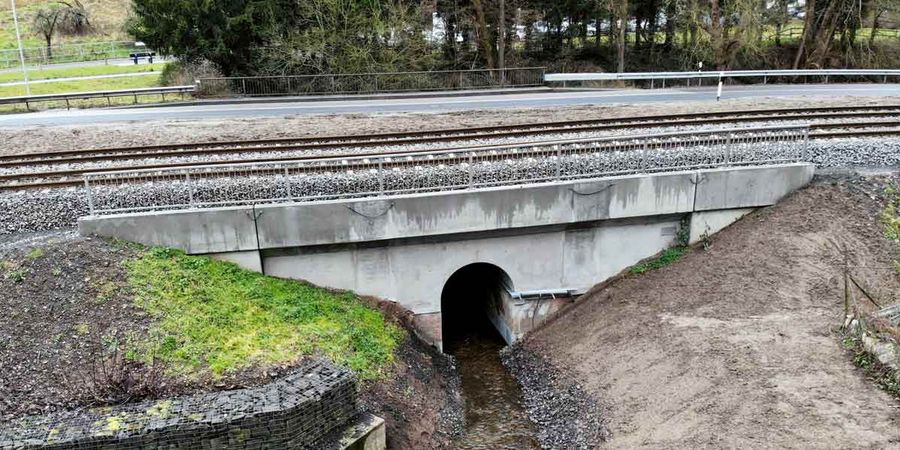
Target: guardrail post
<point>90,196</point>
<point>471,169</point>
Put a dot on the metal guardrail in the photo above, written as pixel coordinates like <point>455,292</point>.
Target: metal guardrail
<point>760,74</point>
<point>448,170</point>
<point>68,97</point>
<point>368,83</point>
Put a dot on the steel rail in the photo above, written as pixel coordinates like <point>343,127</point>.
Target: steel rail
<point>11,179</point>
<point>76,182</point>
<point>68,173</point>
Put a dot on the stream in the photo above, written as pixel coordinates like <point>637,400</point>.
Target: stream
<point>495,415</point>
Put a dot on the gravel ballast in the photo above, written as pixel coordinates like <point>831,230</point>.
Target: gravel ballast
<point>52,209</point>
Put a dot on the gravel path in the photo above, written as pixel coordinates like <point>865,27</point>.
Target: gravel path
<point>734,347</point>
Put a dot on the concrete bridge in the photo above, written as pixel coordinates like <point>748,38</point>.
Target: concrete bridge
<point>519,253</point>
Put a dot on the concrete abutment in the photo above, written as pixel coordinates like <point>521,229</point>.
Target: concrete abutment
<point>553,241</point>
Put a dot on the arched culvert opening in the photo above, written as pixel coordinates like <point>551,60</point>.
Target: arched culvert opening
<point>472,305</point>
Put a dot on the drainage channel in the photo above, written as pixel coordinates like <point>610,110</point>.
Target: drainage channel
<point>495,414</point>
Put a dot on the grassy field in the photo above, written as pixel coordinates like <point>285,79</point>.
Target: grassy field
<point>107,16</point>
<point>103,84</point>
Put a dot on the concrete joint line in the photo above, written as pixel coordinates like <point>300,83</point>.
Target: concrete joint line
<point>256,215</point>
<point>610,185</point>
<point>372,216</point>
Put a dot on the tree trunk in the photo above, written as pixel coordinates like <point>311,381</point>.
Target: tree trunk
<point>875,25</point>
<point>670,25</point>
<point>484,34</point>
<point>807,32</point>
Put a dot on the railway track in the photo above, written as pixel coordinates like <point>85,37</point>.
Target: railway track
<point>68,177</point>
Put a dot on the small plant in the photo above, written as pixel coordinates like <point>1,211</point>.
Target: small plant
<point>113,378</point>
<point>886,378</point>
<point>56,271</point>
<point>17,275</point>
<point>35,254</point>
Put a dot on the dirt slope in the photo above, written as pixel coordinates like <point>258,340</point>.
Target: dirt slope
<point>735,347</point>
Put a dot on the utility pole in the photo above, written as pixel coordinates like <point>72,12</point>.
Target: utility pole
<point>21,51</point>
<point>501,52</point>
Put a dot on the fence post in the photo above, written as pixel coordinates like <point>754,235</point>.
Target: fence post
<point>381,177</point>
<point>243,87</point>
<point>90,195</point>
<point>287,184</point>
<point>558,163</point>
<point>805,155</point>
<point>471,169</point>
<point>190,188</point>
<point>728,149</point>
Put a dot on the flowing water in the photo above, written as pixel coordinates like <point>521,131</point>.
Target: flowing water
<point>495,415</point>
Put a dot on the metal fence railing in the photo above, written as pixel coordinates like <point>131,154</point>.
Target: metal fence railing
<point>368,83</point>
<point>882,75</point>
<point>447,170</point>
<point>67,98</point>
<point>67,53</point>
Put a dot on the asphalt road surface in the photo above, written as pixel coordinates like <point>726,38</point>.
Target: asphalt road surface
<point>438,104</point>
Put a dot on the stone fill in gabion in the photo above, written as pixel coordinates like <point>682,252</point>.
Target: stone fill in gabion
<point>293,412</point>
<point>38,210</point>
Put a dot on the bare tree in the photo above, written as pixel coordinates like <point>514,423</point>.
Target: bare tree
<point>45,23</point>
<point>63,16</point>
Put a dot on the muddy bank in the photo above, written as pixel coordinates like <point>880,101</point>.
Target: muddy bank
<point>735,346</point>
<point>419,400</point>
<point>64,298</point>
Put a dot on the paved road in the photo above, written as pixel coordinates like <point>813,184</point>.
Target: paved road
<point>439,104</point>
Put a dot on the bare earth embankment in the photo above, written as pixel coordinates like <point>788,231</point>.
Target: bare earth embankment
<point>735,347</point>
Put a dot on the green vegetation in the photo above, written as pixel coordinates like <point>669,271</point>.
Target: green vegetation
<point>668,257</point>
<point>74,72</point>
<point>35,254</point>
<point>107,18</point>
<point>887,379</point>
<point>891,219</point>
<point>214,317</point>
<point>103,84</point>
<point>274,37</point>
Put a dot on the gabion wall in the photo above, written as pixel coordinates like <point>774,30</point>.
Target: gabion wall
<point>295,412</point>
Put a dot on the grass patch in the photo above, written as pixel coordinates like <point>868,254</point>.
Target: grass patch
<point>667,257</point>
<point>884,377</point>
<point>35,74</point>
<point>103,84</point>
<point>215,318</point>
